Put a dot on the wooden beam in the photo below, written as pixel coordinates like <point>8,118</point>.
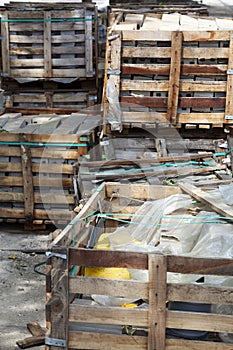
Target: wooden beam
<point>174,79</point>
<point>229,88</point>
<point>57,305</point>
<point>206,198</point>
<point>27,176</point>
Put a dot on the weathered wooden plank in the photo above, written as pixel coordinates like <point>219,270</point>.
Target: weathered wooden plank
<point>199,321</point>
<point>166,35</point>
<point>215,204</point>
<point>163,69</point>
<point>26,164</point>
<point>211,266</point>
<point>144,192</point>
<point>38,198</point>
<point>97,258</point>
<point>39,72</point>
<point>58,325</point>
<point>38,214</point>
<point>47,45</point>
<point>88,44</point>
<point>173,344</point>
<point>55,182</point>
<point>79,340</point>
<point>157,302</point>
<point>103,286</point>
<point>229,88</point>
<point>146,52</point>
<point>38,168</point>
<point>5,44</point>
<point>109,315</point>
<point>199,293</point>
<point>67,235</point>
<point>174,80</point>
<point>145,85</point>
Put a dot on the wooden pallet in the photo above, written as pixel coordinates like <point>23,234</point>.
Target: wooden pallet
<point>165,73</point>
<point>78,323</point>
<point>53,41</point>
<point>38,166</point>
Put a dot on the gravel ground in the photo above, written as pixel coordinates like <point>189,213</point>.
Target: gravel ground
<point>22,291</point>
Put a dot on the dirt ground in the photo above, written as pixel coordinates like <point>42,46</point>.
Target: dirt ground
<point>22,291</point>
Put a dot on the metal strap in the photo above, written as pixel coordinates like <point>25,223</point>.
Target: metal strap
<point>56,342</point>
<point>113,72</point>
<point>51,254</point>
<point>229,117</point>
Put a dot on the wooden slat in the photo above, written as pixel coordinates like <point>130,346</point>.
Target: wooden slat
<point>109,315</point>
<point>38,198</point>
<point>67,235</point>
<point>157,302</point>
<point>163,69</point>
<point>88,44</point>
<point>39,73</point>
<point>145,85</point>
<point>173,93</point>
<point>10,137</point>
<point>198,293</point>
<point>211,266</point>
<point>215,204</point>
<point>199,321</point>
<point>115,63</point>
<point>5,45</point>
<point>26,164</point>
<point>166,35</point>
<point>146,52</point>
<point>38,214</point>
<point>91,285</point>
<point>58,325</point>
<point>55,182</point>
<point>172,344</point>
<point>229,88</point>
<point>144,192</point>
<point>98,258</point>
<point>79,340</point>
<point>47,45</point>
<point>38,168</point>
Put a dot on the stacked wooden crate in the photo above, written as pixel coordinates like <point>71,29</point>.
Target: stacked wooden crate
<point>131,312</point>
<point>54,44</point>
<point>171,69</point>
<point>38,166</point>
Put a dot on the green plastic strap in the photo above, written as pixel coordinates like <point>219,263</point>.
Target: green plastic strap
<point>42,20</point>
<point>38,265</point>
<point>45,144</point>
<point>222,154</point>
<point>165,165</point>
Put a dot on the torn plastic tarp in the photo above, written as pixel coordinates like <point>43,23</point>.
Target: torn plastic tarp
<point>114,108</point>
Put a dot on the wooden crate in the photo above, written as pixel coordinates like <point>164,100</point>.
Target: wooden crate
<point>165,73</point>
<point>38,167</point>
<point>49,40</point>
<point>75,323</point>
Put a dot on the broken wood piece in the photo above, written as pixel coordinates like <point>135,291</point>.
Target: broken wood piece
<point>35,329</point>
<point>30,342</point>
<point>206,198</point>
